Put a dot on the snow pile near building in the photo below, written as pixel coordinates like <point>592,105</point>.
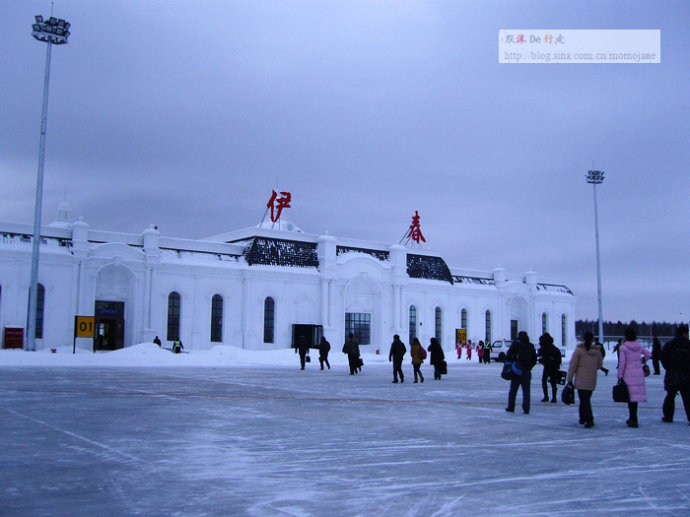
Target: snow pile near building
<point>150,355</point>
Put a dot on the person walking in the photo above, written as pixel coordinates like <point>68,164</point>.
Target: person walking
<point>396,355</point>
<point>656,354</point>
<point>524,356</point>
<point>550,357</point>
<point>351,348</point>
<point>469,349</point>
<point>487,351</point>
<point>324,348</point>
<point>630,370</point>
<point>617,350</point>
<point>302,346</point>
<point>603,356</point>
<point>480,352</point>
<point>675,358</point>
<point>458,349</point>
<point>584,365</point>
<point>437,357</point>
<point>177,347</point>
<point>416,353</point>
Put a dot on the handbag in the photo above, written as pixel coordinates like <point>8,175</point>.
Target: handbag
<point>645,369</point>
<point>559,377</point>
<point>507,371</point>
<point>568,394</point>
<point>307,359</point>
<point>620,392</point>
<point>444,368</point>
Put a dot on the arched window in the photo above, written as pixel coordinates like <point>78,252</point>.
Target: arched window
<point>439,324</point>
<point>174,306</point>
<point>564,330</point>
<point>40,305</point>
<point>463,319</point>
<point>413,323</point>
<point>217,319</point>
<point>269,320</point>
<point>487,331</point>
<point>544,323</point>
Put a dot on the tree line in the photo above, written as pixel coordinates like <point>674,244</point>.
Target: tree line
<point>611,329</point>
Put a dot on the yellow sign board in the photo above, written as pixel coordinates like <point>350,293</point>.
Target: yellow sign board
<point>84,326</point>
<point>461,336</point>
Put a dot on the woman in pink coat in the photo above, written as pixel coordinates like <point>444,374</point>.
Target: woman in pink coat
<point>630,370</point>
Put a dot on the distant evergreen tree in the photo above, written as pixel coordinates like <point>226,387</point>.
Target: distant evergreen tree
<point>643,330</point>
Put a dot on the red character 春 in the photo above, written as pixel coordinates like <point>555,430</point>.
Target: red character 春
<point>415,232</point>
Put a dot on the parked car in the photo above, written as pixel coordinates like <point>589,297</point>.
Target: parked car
<point>499,349</point>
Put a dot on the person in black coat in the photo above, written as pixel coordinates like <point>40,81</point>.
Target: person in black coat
<point>656,354</point>
<point>324,348</point>
<point>351,348</point>
<point>524,356</point>
<point>396,355</point>
<point>550,357</point>
<point>303,349</point>
<point>675,357</point>
<point>437,357</point>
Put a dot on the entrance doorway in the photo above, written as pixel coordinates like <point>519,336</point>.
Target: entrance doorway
<point>313,334</point>
<point>110,325</point>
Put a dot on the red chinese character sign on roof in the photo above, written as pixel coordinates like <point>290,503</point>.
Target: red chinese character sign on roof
<point>415,230</point>
<point>276,204</point>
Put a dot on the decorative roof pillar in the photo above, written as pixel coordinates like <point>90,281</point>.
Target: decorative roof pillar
<point>80,238</point>
<point>151,249</point>
<point>325,252</point>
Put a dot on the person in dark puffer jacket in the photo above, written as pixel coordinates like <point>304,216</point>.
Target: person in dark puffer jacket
<point>524,356</point>
<point>675,358</point>
<point>550,357</point>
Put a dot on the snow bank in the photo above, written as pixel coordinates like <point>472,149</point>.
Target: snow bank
<point>150,355</point>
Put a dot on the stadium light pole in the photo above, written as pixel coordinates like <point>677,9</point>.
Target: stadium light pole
<point>595,178</point>
<point>53,31</point>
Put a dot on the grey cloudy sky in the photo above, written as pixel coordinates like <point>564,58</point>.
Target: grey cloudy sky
<point>185,114</point>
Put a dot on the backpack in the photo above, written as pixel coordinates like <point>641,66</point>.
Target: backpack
<point>422,353</point>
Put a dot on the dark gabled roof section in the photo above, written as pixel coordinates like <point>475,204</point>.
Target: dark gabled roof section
<point>278,252</point>
<point>475,280</point>
<point>428,268</point>
<point>555,288</point>
<point>377,254</point>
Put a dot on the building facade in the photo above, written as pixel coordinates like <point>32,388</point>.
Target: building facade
<point>259,288</point>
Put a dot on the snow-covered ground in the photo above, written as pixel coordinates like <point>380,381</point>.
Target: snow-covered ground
<point>233,432</point>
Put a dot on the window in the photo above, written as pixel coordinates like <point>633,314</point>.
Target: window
<point>463,319</point>
<point>40,304</point>
<point>544,323</point>
<point>269,320</point>
<point>217,319</point>
<point>174,305</point>
<point>564,330</point>
<point>413,323</point>
<point>439,324</point>
<point>359,323</point>
<point>487,332</point>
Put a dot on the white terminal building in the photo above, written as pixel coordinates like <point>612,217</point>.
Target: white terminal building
<point>259,288</point>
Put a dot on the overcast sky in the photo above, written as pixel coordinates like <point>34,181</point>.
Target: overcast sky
<point>186,114</point>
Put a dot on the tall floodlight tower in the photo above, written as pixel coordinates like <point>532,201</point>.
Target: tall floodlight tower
<point>53,31</point>
<point>595,178</point>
